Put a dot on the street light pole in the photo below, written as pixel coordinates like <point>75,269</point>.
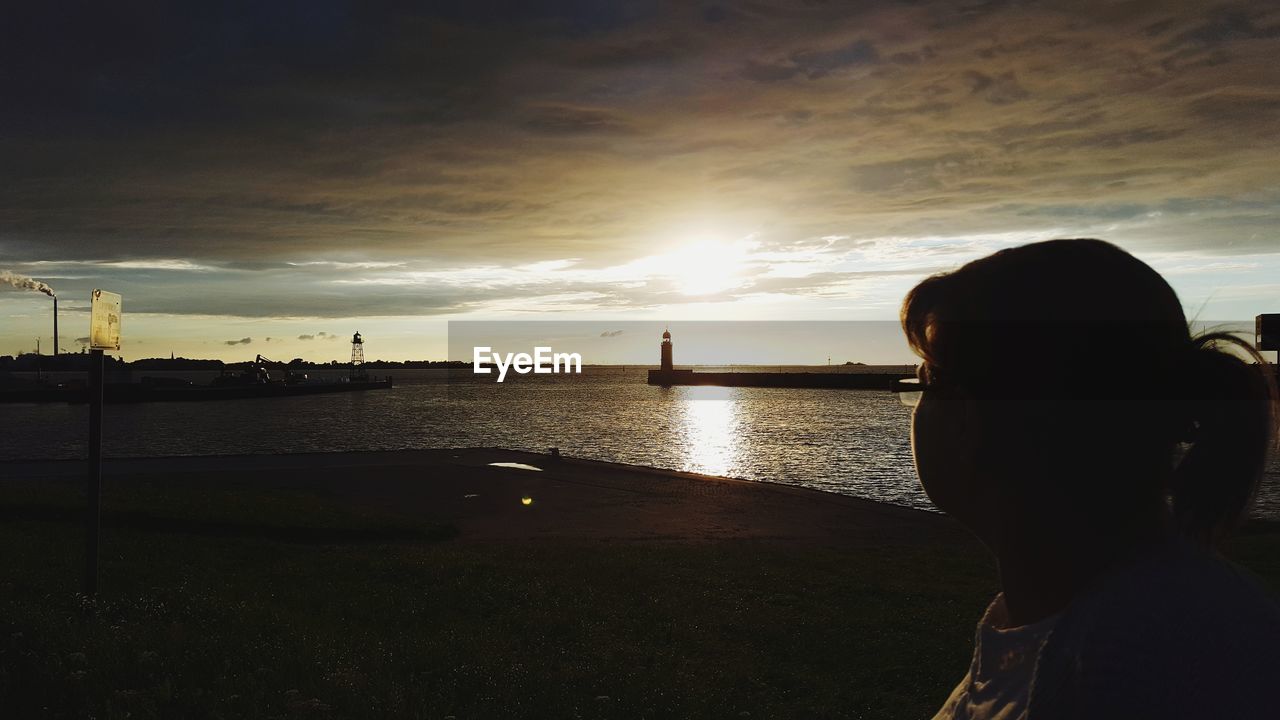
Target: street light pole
<point>93,524</point>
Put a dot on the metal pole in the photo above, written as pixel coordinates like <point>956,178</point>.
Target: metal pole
<point>93,524</point>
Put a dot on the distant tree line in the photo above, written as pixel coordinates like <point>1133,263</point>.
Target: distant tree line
<point>297,363</point>
<point>31,362</point>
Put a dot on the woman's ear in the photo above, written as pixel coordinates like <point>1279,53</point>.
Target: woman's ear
<point>1024,451</point>
<point>1010,461</point>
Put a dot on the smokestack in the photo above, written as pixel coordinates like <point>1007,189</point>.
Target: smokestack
<point>26,283</point>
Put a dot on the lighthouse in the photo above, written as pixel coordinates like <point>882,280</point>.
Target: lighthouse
<point>667,374</point>
<point>357,358</point>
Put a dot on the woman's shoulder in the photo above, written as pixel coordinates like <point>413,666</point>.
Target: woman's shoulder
<point>1181,582</point>
<point>1174,632</point>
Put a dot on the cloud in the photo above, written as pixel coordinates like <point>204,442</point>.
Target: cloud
<point>1222,25</point>
<point>1000,90</point>
<point>572,121</point>
<point>610,333</point>
<point>263,164</point>
<point>820,63</point>
<point>914,174</point>
<point>812,64</point>
<point>306,337</point>
<point>241,341</point>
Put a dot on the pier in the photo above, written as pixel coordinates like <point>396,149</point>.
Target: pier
<point>865,377</point>
<point>882,379</point>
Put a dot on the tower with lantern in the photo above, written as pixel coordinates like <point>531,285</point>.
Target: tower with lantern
<point>667,365</point>
<point>357,358</point>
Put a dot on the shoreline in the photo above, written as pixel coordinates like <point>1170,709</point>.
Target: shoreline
<point>571,498</point>
<point>269,469</point>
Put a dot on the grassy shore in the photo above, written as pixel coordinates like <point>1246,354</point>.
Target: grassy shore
<point>288,602</point>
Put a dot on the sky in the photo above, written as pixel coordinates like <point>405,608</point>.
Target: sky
<point>271,177</point>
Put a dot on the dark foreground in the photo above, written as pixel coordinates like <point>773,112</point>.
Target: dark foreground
<point>371,585</point>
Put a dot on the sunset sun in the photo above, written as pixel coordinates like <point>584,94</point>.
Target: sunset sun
<point>709,267</point>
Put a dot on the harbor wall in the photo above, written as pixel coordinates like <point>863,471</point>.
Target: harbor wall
<point>845,380</point>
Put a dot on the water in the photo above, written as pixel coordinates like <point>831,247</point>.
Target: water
<point>847,441</point>
<point>853,442</point>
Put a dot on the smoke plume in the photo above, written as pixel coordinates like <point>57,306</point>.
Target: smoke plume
<point>22,281</point>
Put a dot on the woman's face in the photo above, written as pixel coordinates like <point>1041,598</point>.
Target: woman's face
<point>945,432</point>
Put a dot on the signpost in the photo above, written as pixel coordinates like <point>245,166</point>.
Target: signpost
<point>104,334</point>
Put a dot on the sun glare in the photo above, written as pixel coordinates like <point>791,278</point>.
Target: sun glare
<point>710,427</point>
<point>704,268</point>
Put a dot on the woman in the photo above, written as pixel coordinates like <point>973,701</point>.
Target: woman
<point>1066,416</point>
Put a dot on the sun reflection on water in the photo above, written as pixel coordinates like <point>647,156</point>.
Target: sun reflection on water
<point>709,430</point>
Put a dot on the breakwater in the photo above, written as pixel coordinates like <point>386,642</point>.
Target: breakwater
<point>881,379</point>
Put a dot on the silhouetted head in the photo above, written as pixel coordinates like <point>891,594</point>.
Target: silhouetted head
<point>1063,386</point>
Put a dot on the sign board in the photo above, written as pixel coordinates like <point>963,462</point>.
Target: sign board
<point>104,321</point>
<point>1268,329</point>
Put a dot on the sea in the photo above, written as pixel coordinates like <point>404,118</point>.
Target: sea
<point>850,442</point>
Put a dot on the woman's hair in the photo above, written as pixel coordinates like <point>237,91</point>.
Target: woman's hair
<point>1080,352</point>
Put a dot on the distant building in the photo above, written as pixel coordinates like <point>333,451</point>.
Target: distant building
<point>666,351</point>
<point>1267,329</point>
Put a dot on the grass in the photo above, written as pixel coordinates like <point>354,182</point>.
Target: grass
<point>287,605</point>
